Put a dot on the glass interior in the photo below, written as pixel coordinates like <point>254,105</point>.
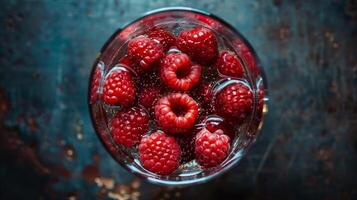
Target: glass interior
<point>175,20</point>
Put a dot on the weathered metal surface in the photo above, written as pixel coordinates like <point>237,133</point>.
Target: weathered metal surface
<point>308,148</point>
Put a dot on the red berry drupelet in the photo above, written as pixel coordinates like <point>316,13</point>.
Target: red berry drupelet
<point>159,153</point>
<point>145,52</point>
<point>211,148</point>
<point>119,88</point>
<point>235,101</point>
<point>200,44</point>
<point>248,57</point>
<point>164,37</point>
<point>129,64</point>
<point>125,60</point>
<point>178,73</point>
<point>176,113</point>
<point>216,123</point>
<point>206,20</point>
<point>128,126</point>
<point>228,64</point>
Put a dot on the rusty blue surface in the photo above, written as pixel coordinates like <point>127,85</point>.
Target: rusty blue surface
<point>308,148</point>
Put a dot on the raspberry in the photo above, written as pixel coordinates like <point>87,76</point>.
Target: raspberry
<point>130,64</point>
<point>187,144</point>
<point>94,85</point>
<point>176,112</point>
<point>125,60</point>
<point>235,101</point>
<point>164,37</point>
<point>119,88</point>
<point>215,123</point>
<point>206,20</point>
<point>148,96</point>
<point>145,52</point>
<point>148,22</point>
<point>211,148</point>
<point>200,44</point>
<point>228,64</point>
<point>178,73</point>
<point>159,153</point>
<point>128,126</point>
<point>248,57</point>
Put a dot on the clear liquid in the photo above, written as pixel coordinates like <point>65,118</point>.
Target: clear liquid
<point>240,138</point>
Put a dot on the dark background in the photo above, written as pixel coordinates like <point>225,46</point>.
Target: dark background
<point>308,147</point>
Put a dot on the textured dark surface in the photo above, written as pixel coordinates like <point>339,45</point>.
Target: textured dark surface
<point>308,148</point>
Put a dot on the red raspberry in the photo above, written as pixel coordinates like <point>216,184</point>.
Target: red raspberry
<point>128,126</point>
<point>211,148</point>
<point>176,112</point>
<point>148,96</point>
<point>215,123</point>
<point>187,144</point>
<point>130,64</point>
<point>164,37</point>
<point>94,85</point>
<point>248,57</point>
<point>178,73</point>
<point>200,44</point>
<point>119,88</point>
<point>145,52</point>
<point>228,64</point>
<point>235,101</point>
<point>125,60</point>
<point>206,20</point>
<point>159,153</point>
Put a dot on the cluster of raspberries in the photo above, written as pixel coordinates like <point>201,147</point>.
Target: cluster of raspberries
<point>176,103</point>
